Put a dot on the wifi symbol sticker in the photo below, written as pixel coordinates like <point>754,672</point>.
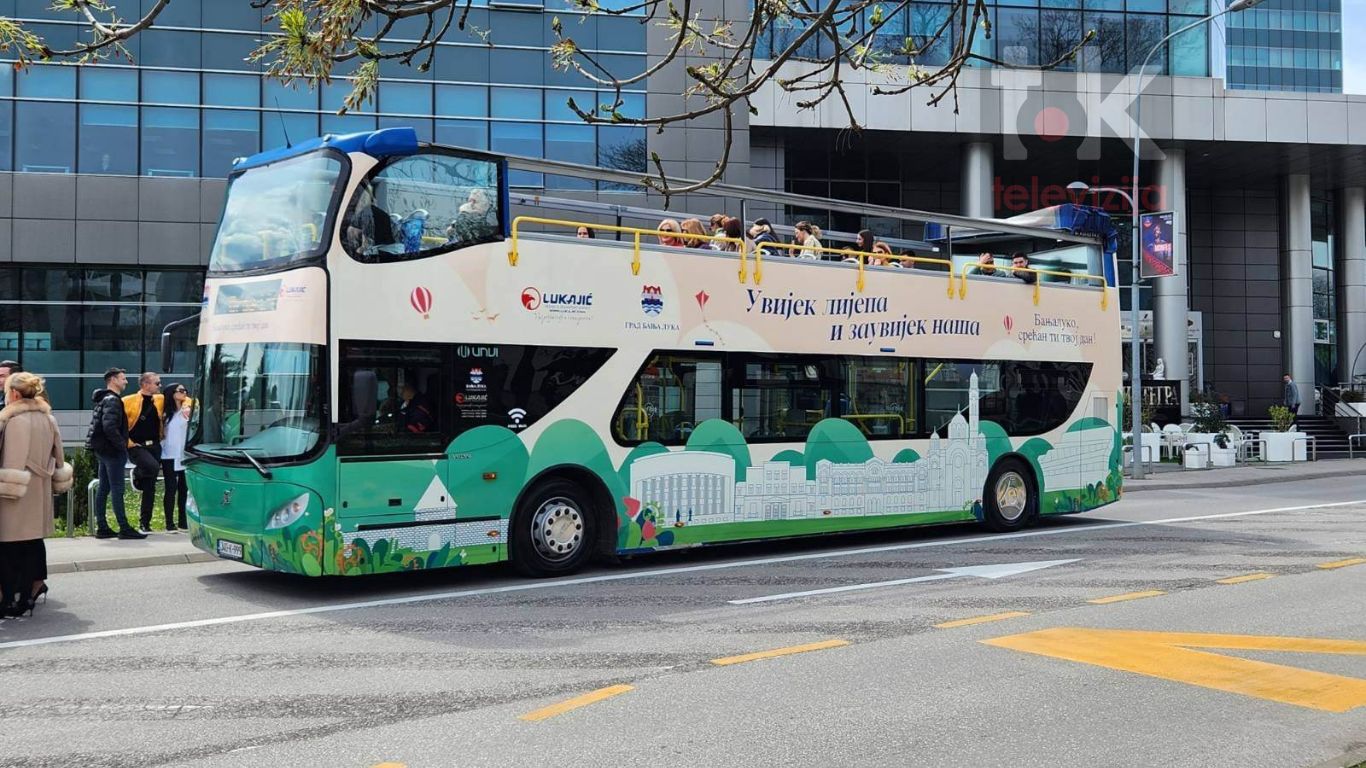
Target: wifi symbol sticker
<point>516,415</point>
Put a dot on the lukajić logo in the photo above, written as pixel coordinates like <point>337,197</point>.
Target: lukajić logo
<point>652,299</point>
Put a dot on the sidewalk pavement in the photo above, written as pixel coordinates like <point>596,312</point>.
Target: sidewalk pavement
<point>1171,477</point>
<point>86,553</point>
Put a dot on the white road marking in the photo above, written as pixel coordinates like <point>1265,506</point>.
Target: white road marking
<point>551,584</point>
<point>997,571</point>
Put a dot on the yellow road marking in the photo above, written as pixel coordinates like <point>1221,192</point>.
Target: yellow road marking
<point>1245,579</point>
<point>390,765</point>
<point>1342,563</point>
<point>981,619</point>
<point>592,697</point>
<point>1168,656</point>
<point>1126,596</point>
<point>726,661</point>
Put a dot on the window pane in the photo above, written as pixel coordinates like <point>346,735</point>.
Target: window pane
<point>879,396</point>
<point>232,90</point>
<point>1059,32</point>
<point>1143,32</point>
<point>348,123</point>
<point>275,126</point>
<point>519,66</point>
<point>9,332</point>
<point>170,141</point>
<point>518,139</point>
<point>6,136</point>
<point>516,103</point>
<point>228,135</point>
<point>946,386</point>
<point>174,285</point>
<point>231,16</point>
<point>1189,50</point>
<point>105,84</point>
<point>283,96</point>
<point>462,101</point>
<point>778,398</point>
<point>180,14</point>
<point>229,52</point>
<point>113,337</point>
<point>47,81</point>
<point>622,148</point>
<point>405,98</point>
<point>52,338</point>
<point>574,144</point>
<point>109,139</point>
<point>409,400</point>
<point>926,20</point>
<point>632,104</point>
<point>423,204</point>
<point>1105,52</point>
<point>184,351</point>
<point>673,394</point>
<point>522,384</point>
<point>170,87</point>
<point>423,127</point>
<point>164,48</point>
<point>1019,36</point>
<point>112,285</point>
<point>557,104</point>
<point>469,134</point>
<point>45,137</point>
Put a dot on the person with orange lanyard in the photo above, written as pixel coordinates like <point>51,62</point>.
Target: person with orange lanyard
<point>144,411</point>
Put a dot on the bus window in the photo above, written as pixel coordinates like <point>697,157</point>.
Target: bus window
<point>948,391</point>
<point>671,396</point>
<point>421,205</point>
<point>775,398</point>
<point>1024,397</point>
<point>513,385</point>
<point>879,396</point>
<point>406,415</point>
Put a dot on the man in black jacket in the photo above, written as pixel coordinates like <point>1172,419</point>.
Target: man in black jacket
<point>108,441</point>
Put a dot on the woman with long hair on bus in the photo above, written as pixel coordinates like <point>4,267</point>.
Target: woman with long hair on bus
<point>173,456</point>
<point>694,234</point>
<point>32,469</point>
<point>669,234</point>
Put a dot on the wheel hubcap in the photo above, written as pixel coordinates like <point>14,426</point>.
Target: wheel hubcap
<point>1012,496</point>
<point>557,529</point>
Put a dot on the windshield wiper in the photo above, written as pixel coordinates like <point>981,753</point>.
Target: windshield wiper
<point>246,453</point>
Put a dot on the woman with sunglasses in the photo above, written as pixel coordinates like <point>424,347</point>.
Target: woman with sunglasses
<point>173,456</point>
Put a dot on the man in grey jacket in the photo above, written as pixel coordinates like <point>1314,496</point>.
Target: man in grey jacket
<point>1291,398</point>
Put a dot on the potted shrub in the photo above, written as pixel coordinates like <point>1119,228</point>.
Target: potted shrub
<point>1208,418</point>
<point>1283,444</point>
<point>1221,452</point>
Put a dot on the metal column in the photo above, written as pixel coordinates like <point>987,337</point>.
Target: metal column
<point>978,176</point>
<point>1350,272</point>
<point>1170,299</point>
<point>1297,286</point>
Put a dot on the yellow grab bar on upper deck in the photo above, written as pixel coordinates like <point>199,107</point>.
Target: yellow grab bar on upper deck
<point>974,266</point>
<point>861,258</point>
<point>636,233</point>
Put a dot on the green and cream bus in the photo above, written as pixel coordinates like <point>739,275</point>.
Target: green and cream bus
<point>398,373</point>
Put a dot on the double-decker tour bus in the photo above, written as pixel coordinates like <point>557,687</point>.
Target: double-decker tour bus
<point>396,372</point>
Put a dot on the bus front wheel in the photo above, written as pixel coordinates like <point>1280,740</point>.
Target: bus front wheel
<point>1010,496</point>
<point>554,529</point>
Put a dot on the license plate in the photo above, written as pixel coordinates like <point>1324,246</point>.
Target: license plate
<point>229,549</point>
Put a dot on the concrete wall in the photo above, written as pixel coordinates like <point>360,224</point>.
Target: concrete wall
<point>1235,281</point>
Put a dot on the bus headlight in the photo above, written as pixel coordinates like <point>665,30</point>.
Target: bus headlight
<point>290,513</point>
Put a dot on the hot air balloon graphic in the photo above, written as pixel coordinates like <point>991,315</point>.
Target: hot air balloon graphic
<point>421,299</point>
<point>1009,323</point>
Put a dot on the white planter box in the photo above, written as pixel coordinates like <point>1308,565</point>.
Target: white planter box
<point>1151,445</point>
<point>1196,457</point>
<point>1199,438</point>
<point>1286,446</point>
<point>1222,457</point>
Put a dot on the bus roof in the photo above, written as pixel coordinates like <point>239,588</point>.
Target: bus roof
<point>382,143</point>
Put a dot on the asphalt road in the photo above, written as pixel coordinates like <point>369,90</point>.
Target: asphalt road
<point>219,665</point>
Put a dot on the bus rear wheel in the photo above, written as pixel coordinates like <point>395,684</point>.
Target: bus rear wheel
<point>1010,496</point>
<point>554,529</point>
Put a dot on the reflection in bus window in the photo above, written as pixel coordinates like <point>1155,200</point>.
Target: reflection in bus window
<point>421,205</point>
<point>774,397</point>
<point>277,213</point>
<point>879,396</point>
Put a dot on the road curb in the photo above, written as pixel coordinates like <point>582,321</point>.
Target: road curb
<point>1345,760</point>
<point>118,563</point>
<point>1150,485</point>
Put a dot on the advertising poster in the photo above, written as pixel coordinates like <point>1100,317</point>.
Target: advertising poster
<point>1157,244</point>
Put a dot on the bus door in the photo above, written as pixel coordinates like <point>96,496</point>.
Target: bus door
<point>391,443</point>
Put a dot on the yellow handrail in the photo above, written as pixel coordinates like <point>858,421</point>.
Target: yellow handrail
<point>1104,286</point>
<point>862,257</point>
<point>636,233</point>
<point>901,420</point>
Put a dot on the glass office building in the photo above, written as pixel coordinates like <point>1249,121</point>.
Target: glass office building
<point>152,130</point>
<point>1287,45</point>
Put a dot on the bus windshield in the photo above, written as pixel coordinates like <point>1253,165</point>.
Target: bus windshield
<point>278,214</point>
<point>259,399</point>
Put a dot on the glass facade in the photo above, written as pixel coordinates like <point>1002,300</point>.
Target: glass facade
<point>1291,45</point>
<point>192,103</point>
<point>1033,32</point>
<point>1325,298</point>
<point>72,323</point>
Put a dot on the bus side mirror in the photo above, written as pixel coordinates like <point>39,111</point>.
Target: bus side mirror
<point>167,350</point>
<point>364,394</point>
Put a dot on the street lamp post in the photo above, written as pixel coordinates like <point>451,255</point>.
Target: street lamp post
<point>1135,362</point>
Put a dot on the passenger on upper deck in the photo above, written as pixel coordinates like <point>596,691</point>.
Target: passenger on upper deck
<point>694,227</point>
<point>718,228</point>
<point>882,251</point>
<point>585,232</point>
<point>808,236</point>
<point>734,230</point>
<point>1019,263</point>
<point>476,220</point>
<point>669,236</point>
<point>761,233</point>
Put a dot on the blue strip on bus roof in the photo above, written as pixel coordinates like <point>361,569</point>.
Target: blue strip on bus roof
<point>386,142</point>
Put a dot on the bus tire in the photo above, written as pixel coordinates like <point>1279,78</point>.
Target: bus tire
<point>554,530</point>
<point>1010,497</point>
